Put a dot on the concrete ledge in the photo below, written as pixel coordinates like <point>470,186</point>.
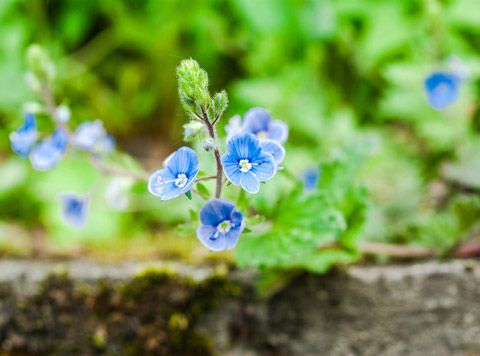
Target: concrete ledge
<point>430,308</point>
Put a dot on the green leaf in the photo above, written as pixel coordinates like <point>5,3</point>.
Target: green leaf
<point>229,183</point>
<point>203,189</point>
<point>246,230</point>
<point>189,195</point>
<point>202,174</point>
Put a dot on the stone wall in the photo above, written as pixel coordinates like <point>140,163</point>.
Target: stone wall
<point>83,308</point>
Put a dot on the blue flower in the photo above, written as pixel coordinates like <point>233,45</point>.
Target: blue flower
<point>90,136</point>
<point>178,177</point>
<point>221,225</point>
<point>246,164</point>
<point>23,140</point>
<point>310,178</point>
<point>259,122</point>
<point>275,149</point>
<point>75,209</point>
<point>49,152</point>
<point>441,89</point>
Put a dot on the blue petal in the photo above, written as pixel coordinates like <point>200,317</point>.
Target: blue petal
<point>215,211</point>
<point>238,225</point>
<point>310,178</point>
<point>231,169</point>
<point>243,146</point>
<point>264,167</point>
<point>250,182</point>
<point>256,120</point>
<point>75,209</point>
<point>23,139</point>
<point>162,184</point>
<point>278,131</point>
<point>184,161</point>
<point>107,145</point>
<point>275,149</point>
<point>48,153</point>
<point>441,89</point>
<point>209,237</point>
<point>60,139</point>
<point>88,134</point>
<point>234,126</point>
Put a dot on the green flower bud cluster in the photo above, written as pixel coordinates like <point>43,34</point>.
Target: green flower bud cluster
<point>41,68</point>
<point>194,94</point>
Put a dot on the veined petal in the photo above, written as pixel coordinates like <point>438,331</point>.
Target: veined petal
<point>215,211</point>
<point>161,183</point>
<point>256,120</point>
<point>243,146</point>
<point>250,182</point>
<point>278,131</point>
<point>185,161</point>
<point>230,167</point>
<point>275,149</point>
<point>210,238</point>
<point>231,238</point>
<point>264,166</point>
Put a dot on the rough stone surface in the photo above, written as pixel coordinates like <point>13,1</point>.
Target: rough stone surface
<point>427,309</point>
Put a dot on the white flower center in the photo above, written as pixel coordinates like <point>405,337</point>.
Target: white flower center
<point>245,165</point>
<point>181,180</point>
<point>261,135</point>
<point>224,227</point>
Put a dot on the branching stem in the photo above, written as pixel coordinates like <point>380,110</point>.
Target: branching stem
<point>216,152</point>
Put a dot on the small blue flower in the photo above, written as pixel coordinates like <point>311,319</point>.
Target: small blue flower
<point>310,178</point>
<point>90,136</point>
<point>221,225</point>
<point>441,89</point>
<point>259,122</point>
<point>75,209</point>
<point>178,177</point>
<point>246,164</point>
<point>23,140</point>
<point>275,149</point>
<point>48,153</point>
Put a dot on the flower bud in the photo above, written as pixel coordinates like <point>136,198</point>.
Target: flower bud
<point>39,62</point>
<point>208,144</point>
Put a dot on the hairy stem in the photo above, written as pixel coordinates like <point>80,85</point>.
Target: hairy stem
<point>216,152</point>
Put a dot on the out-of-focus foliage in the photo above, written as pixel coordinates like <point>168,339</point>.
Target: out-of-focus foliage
<point>347,76</point>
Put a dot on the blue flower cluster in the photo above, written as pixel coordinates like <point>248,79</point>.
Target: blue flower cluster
<point>44,155</point>
<point>254,154</point>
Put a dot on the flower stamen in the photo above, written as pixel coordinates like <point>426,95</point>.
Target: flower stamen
<point>244,165</point>
<point>224,227</point>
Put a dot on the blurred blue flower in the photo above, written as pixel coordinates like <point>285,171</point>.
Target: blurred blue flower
<point>259,122</point>
<point>75,209</point>
<point>63,113</point>
<point>178,177</point>
<point>234,126</point>
<point>48,153</point>
<point>441,89</point>
<point>221,225</point>
<point>246,164</point>
<point>310,178</point>
<point>275,149</point>
<point>116,193</point>
<point>90,136</point>
<point>23,139</point>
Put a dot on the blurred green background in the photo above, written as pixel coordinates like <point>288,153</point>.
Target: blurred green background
<point>335,71</point>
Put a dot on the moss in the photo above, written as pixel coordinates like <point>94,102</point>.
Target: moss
<point>154,313</point>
